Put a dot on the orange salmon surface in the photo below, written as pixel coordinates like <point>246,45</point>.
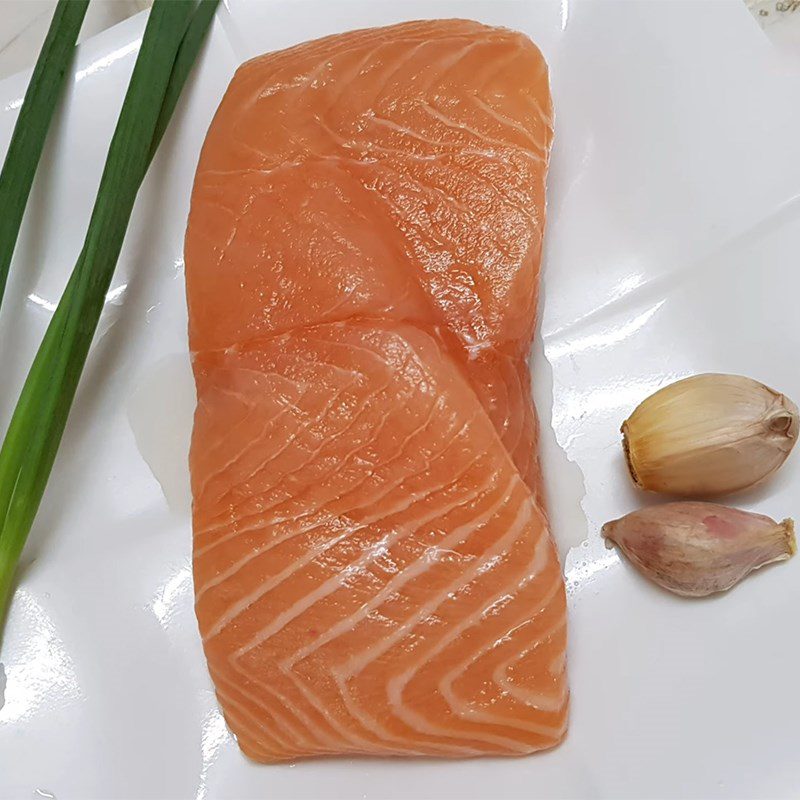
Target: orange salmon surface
<point>374,572</point>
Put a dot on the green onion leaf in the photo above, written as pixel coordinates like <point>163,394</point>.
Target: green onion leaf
<point>187,53</point>
<point>34,119</point>
<point>38,422</point>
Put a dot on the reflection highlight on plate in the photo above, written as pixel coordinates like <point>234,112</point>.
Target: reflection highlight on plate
<point>215,735</point>
<point>107,60</point>
<point>166,601</point>
<point>114,296</point>
<point>581,572</point>
<point>42,673</point>
<point>41,302</point>
<point>564,14</point>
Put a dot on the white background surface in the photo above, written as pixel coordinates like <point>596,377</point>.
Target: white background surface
<point>672,246</point>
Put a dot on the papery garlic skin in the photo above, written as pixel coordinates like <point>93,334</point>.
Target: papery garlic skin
<point>708,435</point>
<point>695,549</point>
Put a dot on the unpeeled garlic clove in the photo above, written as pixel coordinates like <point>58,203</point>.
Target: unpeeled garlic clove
<point>695,549</point>
<point>709,435</point>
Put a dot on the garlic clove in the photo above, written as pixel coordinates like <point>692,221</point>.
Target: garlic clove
<point>708,435</point>
<point>695,549</point>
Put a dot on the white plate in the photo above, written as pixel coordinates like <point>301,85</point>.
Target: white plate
<point>672,248</point>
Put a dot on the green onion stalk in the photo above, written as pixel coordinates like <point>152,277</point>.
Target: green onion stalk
<point>33,122</point>
<point>173,37</point>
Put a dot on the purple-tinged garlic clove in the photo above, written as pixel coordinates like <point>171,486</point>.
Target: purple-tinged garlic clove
<point>695,549</point>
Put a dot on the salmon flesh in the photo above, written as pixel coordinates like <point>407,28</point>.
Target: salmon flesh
<point>373,566</point>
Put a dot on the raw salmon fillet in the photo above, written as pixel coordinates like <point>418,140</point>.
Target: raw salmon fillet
<point>373,567</point>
